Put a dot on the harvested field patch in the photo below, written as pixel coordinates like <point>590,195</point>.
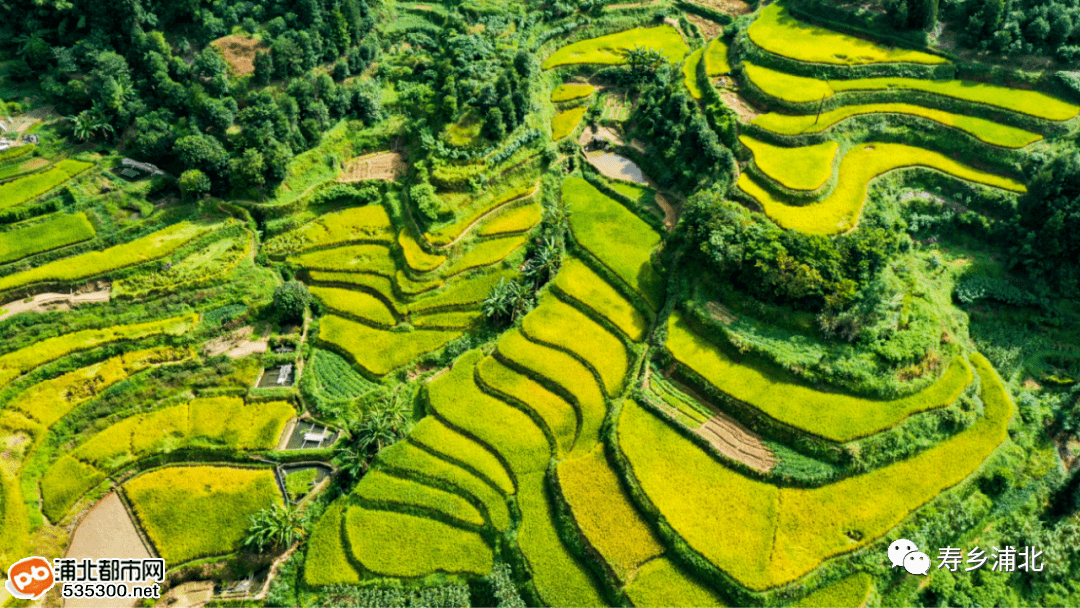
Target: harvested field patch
<point>607,49</point>
<point>708,27</point>
<point>202,511</point>
<point>834,416</point>
<point>401,545</point>
<point>663,583</point>
<point>802,168</point>
<point>45,302</point>
<point>605,515</point>
<point>105,532</point>
<point>564,123</point>
<point>839,211</point>
<point>240,51</point>
<point>386,166</point>
<point>985,130</point>
<point>737,442</point>
<point>776,31</point>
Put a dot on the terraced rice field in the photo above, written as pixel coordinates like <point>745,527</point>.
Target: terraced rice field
<point>801,168</point>
<point>776,31</point>
<point>839,210</point>
<point>716,58</point>
<point>690,72</point>
<point>607,49</point>
<point>570,92</point>
<point>564,123</point>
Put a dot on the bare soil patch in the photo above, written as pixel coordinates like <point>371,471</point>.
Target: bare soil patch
<point>737,442</point>
<point>740,106</point>
<point>106,531</point>
<point>386,166</point>
<point>44,302</point>
<point>240,51</point>
<point>731,7</point>
<point>236,344</point>
<point>711,29</point>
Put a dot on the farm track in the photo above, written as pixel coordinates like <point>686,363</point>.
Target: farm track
<point>43,301</point>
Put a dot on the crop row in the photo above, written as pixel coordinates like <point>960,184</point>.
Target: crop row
<point>32,186</point>
<point>380,351</point>
<point>58,230</point>
<point>359,224</point>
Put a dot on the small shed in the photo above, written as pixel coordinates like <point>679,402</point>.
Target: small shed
<point>32,139</point>
<point>4,144</point>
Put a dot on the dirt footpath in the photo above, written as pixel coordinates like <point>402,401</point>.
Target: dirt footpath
<point>44,302</point>
<point>106,531</point>
<point>236,344</point>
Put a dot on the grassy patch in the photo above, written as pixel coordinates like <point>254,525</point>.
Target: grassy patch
<point>558,323</point>
<point>605,514</point>
<point>58,231</point>
<point>560,580</point>
<point>368,223</point>
<point>374,259</point>
<point>615,236</point>
<point>716,58</point>
<point>327,561</point>
<point>456,398</point>
<point>417,259</point>
<point>406,458</point>
<point>835,416</point>
<point>802,168</point>
<point>564,123</point>
<point>606,49</point>
<point>852,591</point>
<point>214,260</point>
<point>435,435</point>
<point>32,186</point>
<point>985,130</point>
<point>776,31</point>
<point>357,304</point>
<point>558,415</point>
<point>480,206</point>
<point>391,492</point>
<point>299,483</point>
<point>564,371</point>
<point>579,282</point>
<point>513,221</point>
<point>395,544</point>
<point>662,583</point>
<point>192,512</point>
<point>839,211</point>
<point>802,89</point>
<point>150,247</point>
<point>569,92</point>
<point>689,70</point>
<point>377,350</point>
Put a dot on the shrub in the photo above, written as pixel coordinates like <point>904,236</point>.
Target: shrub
<point>407,459</point>
<point>839,211</point>
<point>661,582</point>
<point>985,130</point>
<point>557,414</point>
<point>834,416</point>
<point>57,231</point>
<point>291,299</point>
<point>456,398</point>
<point>776,31</point>
<point>557,323</point>
<point>564,123</point>
<point>800,168</point>
<point>606,49</point>
<point>579,282</point>
<point>395,544</point>
<point>605,515</point>
<point>560,580</point>
<point>150,247</point>
<point>357,304</point>
<point>973,289</point>
<point>200,511</point>
<point>380,351</point>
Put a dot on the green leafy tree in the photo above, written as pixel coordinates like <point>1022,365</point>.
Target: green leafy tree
<point>194,183</point>
<point>275,528</point>
<point>507,302</point>
<point>291,299</point>
<point>89,124</point>
<point>264,67</point>
<point>643,62</point>
<point>249,170</point>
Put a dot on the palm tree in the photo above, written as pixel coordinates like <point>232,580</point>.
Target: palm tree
<point>642,61</point>
<point>507,301</point>
<point>88,124</point>
<point>277,527</point>
<point>545,262</point>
